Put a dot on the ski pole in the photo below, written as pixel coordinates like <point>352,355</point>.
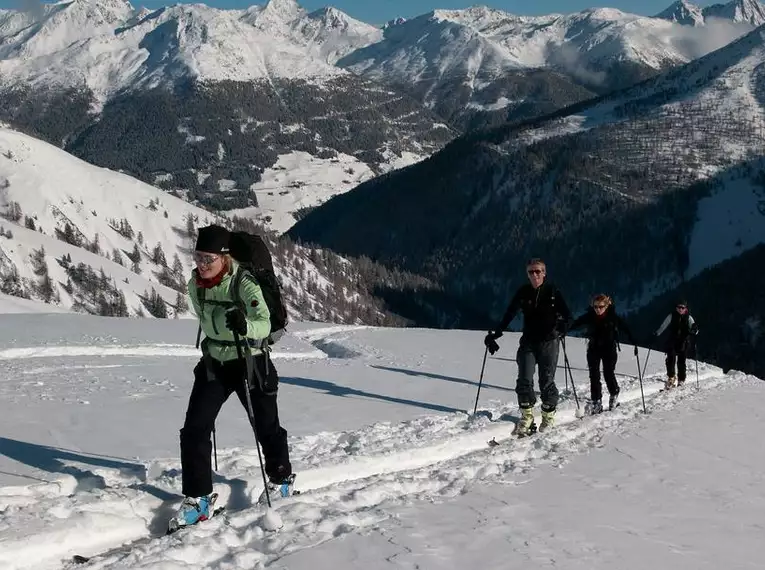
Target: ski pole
<point>215,449</point>
<point>696,358</point>
<point>480,380</point>
<point>645,364</point>
<point>251,414</point>
<point>640,379</point>
<point>567,369</point>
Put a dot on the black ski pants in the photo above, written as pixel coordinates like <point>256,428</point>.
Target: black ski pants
<point>543,354</point>
<point>597,354</point>
<point>214,382</point>
<point>676,353</point>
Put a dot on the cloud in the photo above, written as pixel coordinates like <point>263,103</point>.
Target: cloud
<point>569,59</point>
<point>694,42</point>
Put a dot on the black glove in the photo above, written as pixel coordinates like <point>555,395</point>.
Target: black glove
<point>236,321</point>
<point>636,351</point>
<point>491,341</point>
<point>695,329</point>
<point>561,328</point>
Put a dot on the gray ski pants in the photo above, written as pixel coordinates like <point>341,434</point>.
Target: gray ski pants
<point>530,355</point>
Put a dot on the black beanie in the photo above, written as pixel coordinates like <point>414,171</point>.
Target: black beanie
<point>213,239</point>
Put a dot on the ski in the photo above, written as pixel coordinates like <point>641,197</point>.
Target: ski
<point>79,559</point>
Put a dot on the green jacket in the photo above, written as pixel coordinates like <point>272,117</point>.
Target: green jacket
<point>219,341</point>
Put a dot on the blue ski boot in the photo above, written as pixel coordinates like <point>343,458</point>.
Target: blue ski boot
<point>279,489</point>
<point>192,511</point>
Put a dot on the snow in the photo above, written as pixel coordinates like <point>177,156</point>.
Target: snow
<point>498,105</point>
<point>391,468</point>
<point>477,46</point>
<point>109,47</point>
<point>683,12</point>
<point>9,304</point>
<point>729,222</point>
<point>299,180</point>
<point>55,188</point>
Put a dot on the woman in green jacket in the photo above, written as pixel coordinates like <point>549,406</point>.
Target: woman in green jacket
<point>221,372</point>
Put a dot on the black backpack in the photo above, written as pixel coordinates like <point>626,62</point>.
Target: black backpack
<point>254,259</point>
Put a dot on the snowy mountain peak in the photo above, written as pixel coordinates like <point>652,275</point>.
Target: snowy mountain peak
<point>741,11</point>
<point>684,13</point>
<point>104,11</point>
<point>284,10</point>
<point>332,18</point>
<point>395,22</point>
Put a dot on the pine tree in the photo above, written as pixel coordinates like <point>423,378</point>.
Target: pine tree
<point>158,255</point>
<point>155,304</point>
<point>135,256</point>
<point>177,267</point>
<point>181,305</point>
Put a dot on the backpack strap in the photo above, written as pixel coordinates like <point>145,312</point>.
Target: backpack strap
<point>201,299</point>
<point>234,287</point>
<point>235,293</point>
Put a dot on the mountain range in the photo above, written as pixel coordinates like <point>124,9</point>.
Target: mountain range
<point>209,103</point>
<point>621,142</point>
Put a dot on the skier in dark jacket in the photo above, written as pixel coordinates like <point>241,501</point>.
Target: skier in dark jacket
<point>682,327</point>
<point>603,326</point>
<point>545,317</point>
<point>221,373</point>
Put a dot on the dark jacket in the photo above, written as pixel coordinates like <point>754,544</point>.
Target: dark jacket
<point>603,331</point>
<point>545,313</point>
<point>680,328</point>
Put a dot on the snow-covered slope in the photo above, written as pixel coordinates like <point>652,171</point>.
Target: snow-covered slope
<point>44,190</point>
<point>69,212</point>
<point>392,469</point>
<point>737,11</point>
<point>10,304</point>
<point>746,11</point>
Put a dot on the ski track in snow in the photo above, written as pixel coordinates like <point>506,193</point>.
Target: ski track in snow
<point>348,480</point>
<point>136,350</point>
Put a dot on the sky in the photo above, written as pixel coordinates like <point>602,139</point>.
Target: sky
<point>380,11</point>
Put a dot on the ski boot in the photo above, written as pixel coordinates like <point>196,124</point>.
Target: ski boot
<point>596,407</point>
<point>192,511</point>
<point>525,425</point>
<point>670,383</point>
<point>548,421</point>
<point>278,490</point>
<point>613,401</point>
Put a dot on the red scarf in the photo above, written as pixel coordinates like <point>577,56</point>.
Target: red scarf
<point>211,282</point>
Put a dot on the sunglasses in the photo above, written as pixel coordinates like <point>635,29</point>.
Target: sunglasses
<point>600,306</point>
<point>682,308</point>
<point>535,271</point>
<point>205,259</point>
